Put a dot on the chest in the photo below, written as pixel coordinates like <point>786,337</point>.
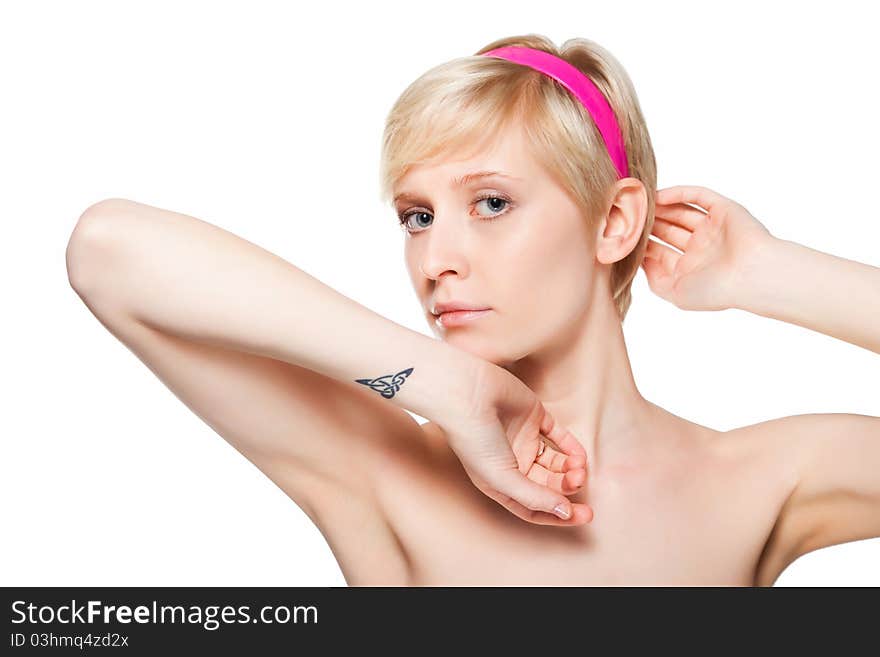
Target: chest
<point>701,522</point>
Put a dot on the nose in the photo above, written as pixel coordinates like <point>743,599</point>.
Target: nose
<point>443,250</point>
<point>435,266</point>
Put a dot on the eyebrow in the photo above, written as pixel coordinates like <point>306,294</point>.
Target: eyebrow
<point>461,181</point>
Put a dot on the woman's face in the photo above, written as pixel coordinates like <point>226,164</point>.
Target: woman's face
<point>517,245</point>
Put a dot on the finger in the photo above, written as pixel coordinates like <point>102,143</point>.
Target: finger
<point>530,494</point>
<point>562,437</point>
<point>557,461</point>
<point>659,280</point>
<point>581,513</point>
<point>684,215</point>
<point>671,233</point>
<point>664,255</point>
<point>567,482</point>
<point>690,194</point>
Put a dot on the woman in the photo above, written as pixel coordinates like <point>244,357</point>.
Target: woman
<point>541,462</point>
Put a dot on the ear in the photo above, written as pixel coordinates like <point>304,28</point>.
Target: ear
<point>621,227</point>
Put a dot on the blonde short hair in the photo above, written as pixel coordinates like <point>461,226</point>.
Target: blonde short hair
<point>463,104</point>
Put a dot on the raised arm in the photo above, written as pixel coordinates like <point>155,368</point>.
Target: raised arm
<point>837,497</point>
<point>730,260</point>
<point>198,281</point>
<point>192,280</point>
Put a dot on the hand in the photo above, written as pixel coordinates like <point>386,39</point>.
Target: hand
<point>499,442</point>
<point>718,244</point>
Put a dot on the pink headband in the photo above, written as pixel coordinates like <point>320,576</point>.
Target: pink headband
<point>582,87</point>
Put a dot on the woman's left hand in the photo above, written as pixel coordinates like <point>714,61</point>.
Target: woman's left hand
<point>718,243</point>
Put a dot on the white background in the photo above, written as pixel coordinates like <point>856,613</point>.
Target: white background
<point>267,121</point>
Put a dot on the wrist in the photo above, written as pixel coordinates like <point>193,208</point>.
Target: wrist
<point>458,384</point>
<point>757,272</point>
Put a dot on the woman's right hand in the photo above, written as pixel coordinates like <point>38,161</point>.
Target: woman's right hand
<point>499,442</point>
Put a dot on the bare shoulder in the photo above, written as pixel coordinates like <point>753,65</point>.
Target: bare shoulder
<point>790,442</point>
<point>836,498</point>
<point>785,448</point>
<point>768,452</point>
<point>765,440</point>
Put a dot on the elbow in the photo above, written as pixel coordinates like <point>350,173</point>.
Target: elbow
<point>91,242</point>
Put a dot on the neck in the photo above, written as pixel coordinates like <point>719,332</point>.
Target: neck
<point>585,381</point>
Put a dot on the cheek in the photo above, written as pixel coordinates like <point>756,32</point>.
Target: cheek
<point>552,280</point>
<point>551,259</point>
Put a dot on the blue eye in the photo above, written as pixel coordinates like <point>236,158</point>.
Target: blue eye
<point>505,204</point>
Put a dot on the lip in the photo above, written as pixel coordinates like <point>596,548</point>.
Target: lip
<point>441,307</point>
<point>459,317</point>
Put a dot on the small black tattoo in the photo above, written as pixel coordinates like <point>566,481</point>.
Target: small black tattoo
<point>389,384</point>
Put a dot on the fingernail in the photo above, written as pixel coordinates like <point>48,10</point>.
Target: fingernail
<point>562,510</point>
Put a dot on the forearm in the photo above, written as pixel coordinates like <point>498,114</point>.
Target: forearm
<point>190,278</point>
<point>832,295</point>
